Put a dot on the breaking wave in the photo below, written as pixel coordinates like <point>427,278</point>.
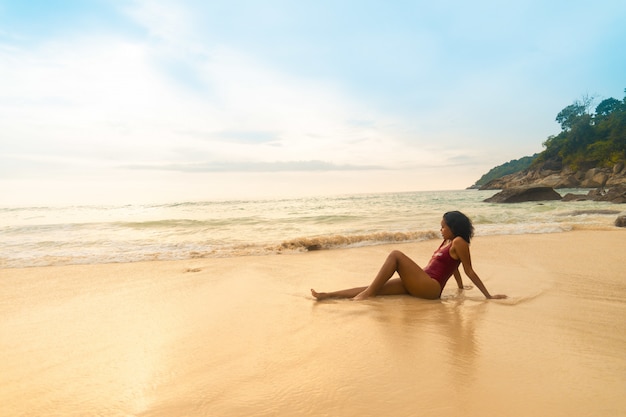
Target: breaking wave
<point>342,241</point>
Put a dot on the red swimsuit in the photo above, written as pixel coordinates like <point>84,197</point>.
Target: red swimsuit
<point>442,265</point>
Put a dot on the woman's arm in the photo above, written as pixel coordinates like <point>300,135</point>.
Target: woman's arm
<point>459,280</point>
<point>460,248</point>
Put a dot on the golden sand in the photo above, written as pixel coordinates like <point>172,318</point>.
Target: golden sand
<point>243,337</point>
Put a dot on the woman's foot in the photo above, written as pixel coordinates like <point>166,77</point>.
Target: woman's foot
<point>319,295</point>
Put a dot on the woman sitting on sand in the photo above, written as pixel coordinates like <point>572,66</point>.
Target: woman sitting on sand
<point>457,230</point>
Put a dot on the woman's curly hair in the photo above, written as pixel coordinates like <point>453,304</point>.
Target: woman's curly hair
<point>459,224</point>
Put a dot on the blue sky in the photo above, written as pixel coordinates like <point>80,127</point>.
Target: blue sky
<point>144,101</point>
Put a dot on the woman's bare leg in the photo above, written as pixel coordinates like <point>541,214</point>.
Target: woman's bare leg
<point>347,293</point>
<point>413,278</point>
<point>391,287</point>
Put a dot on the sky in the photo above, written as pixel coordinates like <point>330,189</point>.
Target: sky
<point>150,101</point>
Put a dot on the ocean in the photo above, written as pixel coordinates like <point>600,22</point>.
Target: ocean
<point>65,235</point>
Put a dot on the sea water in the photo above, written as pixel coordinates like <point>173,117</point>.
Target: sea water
<point>44,236</point>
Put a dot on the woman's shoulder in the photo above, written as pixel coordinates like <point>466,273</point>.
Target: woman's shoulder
<point>458,241</point>
<point>459,249</point>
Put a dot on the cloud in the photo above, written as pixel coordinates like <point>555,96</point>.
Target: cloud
<point>163,20</point>
<point>287,166</point>
<point>237,136</point>
<point>107,97</point>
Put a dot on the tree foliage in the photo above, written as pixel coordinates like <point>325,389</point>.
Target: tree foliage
<point>589,138</point>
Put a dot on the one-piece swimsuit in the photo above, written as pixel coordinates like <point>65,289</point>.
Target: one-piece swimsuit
<point>442,265</point>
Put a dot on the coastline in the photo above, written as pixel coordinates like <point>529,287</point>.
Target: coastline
<point>242,335</point>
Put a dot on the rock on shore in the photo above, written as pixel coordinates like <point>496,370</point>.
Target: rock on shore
<point>616,195</point>
<point>521,194</point>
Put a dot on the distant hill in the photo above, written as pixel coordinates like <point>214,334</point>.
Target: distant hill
<point>511,167</point>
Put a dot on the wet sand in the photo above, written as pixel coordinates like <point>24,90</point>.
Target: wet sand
<point>243,336</point>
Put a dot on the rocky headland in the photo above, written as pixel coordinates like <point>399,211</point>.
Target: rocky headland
<point>553,174</point>
<point>608,184</point>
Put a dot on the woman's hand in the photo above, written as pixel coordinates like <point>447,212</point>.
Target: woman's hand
<point>497,297</point>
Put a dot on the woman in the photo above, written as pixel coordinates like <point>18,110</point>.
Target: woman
<point>457,230</point>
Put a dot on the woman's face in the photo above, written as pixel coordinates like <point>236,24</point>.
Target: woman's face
<point>446,233</point>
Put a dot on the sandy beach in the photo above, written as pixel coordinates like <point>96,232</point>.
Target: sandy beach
<point>242,336</point>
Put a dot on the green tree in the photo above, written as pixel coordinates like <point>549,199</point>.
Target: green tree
<point>570,115</point>
<point>606,107</point>
<point>575,113</point>
<point>587,138</point>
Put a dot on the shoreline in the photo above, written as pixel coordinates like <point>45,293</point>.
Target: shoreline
<point>325,244</point>
<point>242,336</point>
